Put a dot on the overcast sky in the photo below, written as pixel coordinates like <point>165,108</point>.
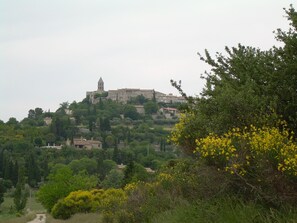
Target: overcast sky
<point>54,51</point>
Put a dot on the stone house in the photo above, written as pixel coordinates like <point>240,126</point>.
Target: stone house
<point>82,143</point>
<point>169,112</point>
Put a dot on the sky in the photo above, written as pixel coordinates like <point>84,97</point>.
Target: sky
<point>54,51</point>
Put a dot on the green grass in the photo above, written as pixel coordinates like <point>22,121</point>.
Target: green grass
<point>8,215</point>
<point>78,218</point>
<point>225,210</point>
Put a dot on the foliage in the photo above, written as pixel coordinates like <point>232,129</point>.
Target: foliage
<point>263,158</point>
<point>186,131</point>
<point>134,172</point>
<point>83,164</point>
<point>104,167</point>
<point>60,183</point>
<point>130,112</point>
<point>33,170</point>
<point>224,209</point>
<point>9,214</point>
<point>113,179</point>
<point>104,201</point>
<point>244,86</point>
<point>150,107</point>
<point>2,191</point>
<point>21,194</point>
<point>138,100</point>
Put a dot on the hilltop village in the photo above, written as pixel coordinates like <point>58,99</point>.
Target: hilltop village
<point>102,109</point>
<point>124,95</point>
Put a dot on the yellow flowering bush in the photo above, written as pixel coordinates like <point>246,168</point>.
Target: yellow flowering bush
<point>105,201</point>
<point>111,200</point>
<point>242,151</point>
<point>183,134</point>
<point>288,159</point>
<point>131,187</point>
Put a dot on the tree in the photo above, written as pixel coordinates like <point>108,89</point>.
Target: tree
<point>33,170</point>
<point>83,164</point>
<point>283,85</point>
<point>35,113</point>
<point>60,183</point>
<point>244,86</point>
<point>113,179</point>
<point>134,172</point>
<point>110,141</point>
<point>21,194</point>
<point>104,167</point>
<point>15,173</point>
<point>50,138</point>
<point>38,141</point>
<point>116,154</point>
<point>2,191</point>
<point>131,112</point>
<point>150,107</point>
<point>12,121</point>
<point>139,99</point>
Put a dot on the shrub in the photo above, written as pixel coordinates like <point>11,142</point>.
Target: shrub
<point>104,201</point>
<point>263,159</point>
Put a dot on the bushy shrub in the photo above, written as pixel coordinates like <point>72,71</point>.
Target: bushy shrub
<point>180,182</point>
<point>104,201</point>
<point>263,159</point>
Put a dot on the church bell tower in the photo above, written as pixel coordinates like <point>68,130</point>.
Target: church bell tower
<point>100,86</point>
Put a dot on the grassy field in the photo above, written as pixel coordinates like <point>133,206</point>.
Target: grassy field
<point>8,215</point>
<point>212,211</point>
<point>225,210</point>
<point>78,218</point>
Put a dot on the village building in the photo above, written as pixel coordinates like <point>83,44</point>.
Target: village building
<point>140,109</point>
<point>54,146</point>
<point>48,120</point>
<point>82,143</point>
<point>126,94</point>
<point>169,112</point>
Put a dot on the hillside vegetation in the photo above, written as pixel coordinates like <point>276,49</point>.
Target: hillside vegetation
<point>231,157</point>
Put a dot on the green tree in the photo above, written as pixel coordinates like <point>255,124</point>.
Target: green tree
<point>15,173</point>
<point>33,170</point>
<point>104,167</point>
<point>12,121</point>
<point>110,141</point>
<point>83,164</point>
<point>134,172</point>
<point>21,194</point>
<point>131,112</point>
<point>150,107</point>
<point>116,154</point>
<point>283,84</point>
<point>139,99</point>
<point>113,179</point>
<point>60,183</point>
<point>35,113</point>
<point>245,86</point>
<point>2,191</point>
<point>38,141</point>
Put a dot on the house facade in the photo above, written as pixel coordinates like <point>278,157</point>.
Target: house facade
<point>82,143</point>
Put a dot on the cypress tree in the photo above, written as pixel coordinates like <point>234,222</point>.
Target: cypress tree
<point>15,173</point>
<point>2,191</point>
<point>21,195</point>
